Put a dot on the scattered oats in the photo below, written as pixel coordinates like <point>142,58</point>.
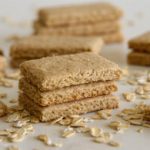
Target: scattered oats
<point>140,130</point>
<point>139,90</point>
<point>136,122</point>
<point>78,122</point>
<point>132,82</point>
<point>117,125</point>
<point>57,144</point>
<point>100,140</point>
<point>83,129</point>
<point>105,114</point>
<point>56,120</point>
<point>2,139</point>
<point>65,121</point>
<point>125,71</point>
<point>20,123</point>
<point>13,117</point>
<point>114,144</point>
<point>29,127</point>
<point>12,148</point>
<point>129,97</point>
<point>96,117</point>
<point>68,133</point>
<point>108,136</point>
<point>5,83</point>
<point>141,80</point>
<point>3,95</point>
<point>145,96</point>
<point>42,138</point>
<point>96,132</point>
<point>3,109</point>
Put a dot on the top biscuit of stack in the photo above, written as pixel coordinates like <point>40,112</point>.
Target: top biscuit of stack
<point>42,46</point>
<point>62,71</point>
<point>79,14</point>
<point>141,43</point>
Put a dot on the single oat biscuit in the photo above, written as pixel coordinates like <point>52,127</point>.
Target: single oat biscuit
<point>67,94</point>
<point>141,43</point>
<point>62,71</point>
<point>3,109</point>
<point>79,14</point>
<point>67,109</point>
<point>42,46</point>
<point>97,28</point>
<point>137,58</point>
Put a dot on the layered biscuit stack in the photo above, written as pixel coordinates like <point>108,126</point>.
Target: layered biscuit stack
<point>141,50</point>
<point>35,47</point>
<point>66,85</point>
<point>100,19</point>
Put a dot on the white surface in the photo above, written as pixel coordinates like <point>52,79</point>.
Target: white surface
<point>24,10</point>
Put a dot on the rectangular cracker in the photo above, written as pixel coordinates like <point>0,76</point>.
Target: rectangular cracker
<point>141,43</point>
<point>81,29</point>
<point>79,14</point>
<point>66,109</point>
<point>42,46</point>
<point>72,93</point>
<point>136,58</point>
<point>56,72</point>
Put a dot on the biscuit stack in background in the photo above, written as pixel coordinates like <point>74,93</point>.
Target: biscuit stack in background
<point>34,47</point>
<point>61,86</point>
<point>141,50</point>
<point>101,19</point>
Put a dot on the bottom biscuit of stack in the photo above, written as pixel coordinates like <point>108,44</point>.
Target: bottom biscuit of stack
<point>137,58</point>
<point>66,109</point>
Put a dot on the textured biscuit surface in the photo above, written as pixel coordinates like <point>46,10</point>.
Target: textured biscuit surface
<point>141,43</point>
<point>79,14</point>
<point>61,71</point>
<point>136,58</point>
<point>72,93</point>
<point>81,29</point>
<point>67,109</point>
<point>42,46</point>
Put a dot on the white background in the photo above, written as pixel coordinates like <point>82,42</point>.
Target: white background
<point>136,20</point>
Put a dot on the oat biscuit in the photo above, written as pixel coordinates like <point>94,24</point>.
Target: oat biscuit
<point>72,93</point>
<point>141,43</point>
<point>67,109</point>
<point>42,46</point>
<point>136,58</point>
<point>78,30</point>
<point>62,71</point>
<point>79,14</point>
<point>15,62</point>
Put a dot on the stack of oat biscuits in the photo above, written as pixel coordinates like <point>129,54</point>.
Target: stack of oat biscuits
<point>102,19</point>
<point>61,86</point>
<point>34,47</point>
<point>141,50</point>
